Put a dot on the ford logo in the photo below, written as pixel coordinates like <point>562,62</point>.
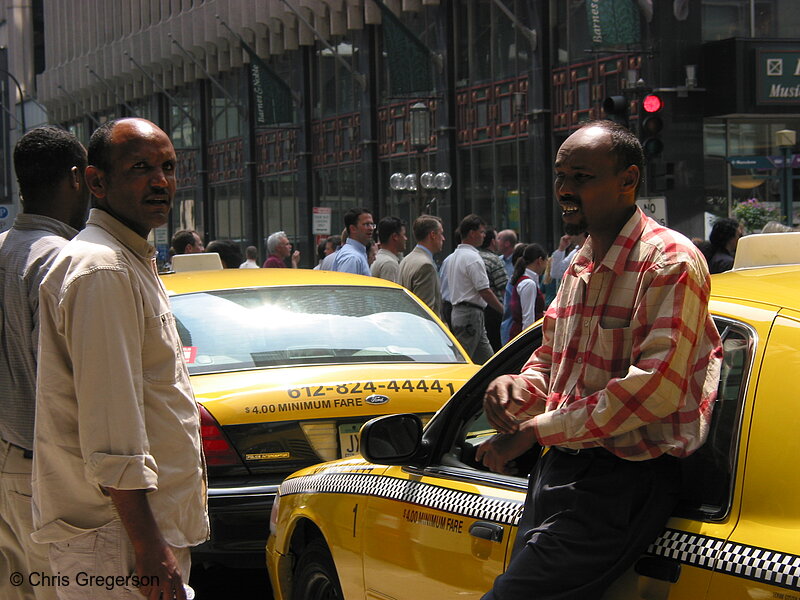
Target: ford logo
<point>376,399</point>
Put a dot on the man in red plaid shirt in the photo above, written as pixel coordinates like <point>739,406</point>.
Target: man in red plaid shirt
<point>621,388</point>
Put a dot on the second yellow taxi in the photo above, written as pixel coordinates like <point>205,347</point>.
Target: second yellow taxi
<point>287,365</point>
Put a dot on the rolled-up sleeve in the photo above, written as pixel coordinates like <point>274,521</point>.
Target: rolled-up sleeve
<point>104,323</point>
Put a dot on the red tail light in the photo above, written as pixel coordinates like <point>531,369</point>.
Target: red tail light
<point>217,448</point>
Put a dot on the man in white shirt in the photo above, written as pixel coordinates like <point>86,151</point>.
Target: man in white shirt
<point>393,239</point>
<point>251,257</point>
<point>568,246</point>
<point>469,290</point>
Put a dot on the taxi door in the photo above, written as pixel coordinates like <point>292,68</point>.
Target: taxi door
<point>438,536</point>
<point>681,563</point>
<point>762,557</point>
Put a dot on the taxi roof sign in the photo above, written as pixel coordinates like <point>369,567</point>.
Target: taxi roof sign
<point>199,261</point>
<point>767,249</point>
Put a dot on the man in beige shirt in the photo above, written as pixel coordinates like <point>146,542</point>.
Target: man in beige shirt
<point>393,239</point>
<point>119,487</point>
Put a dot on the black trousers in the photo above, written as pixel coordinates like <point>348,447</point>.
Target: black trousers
<point>587,518</point>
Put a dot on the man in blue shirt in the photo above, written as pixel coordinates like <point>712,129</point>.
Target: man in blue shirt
<point>352,256</point>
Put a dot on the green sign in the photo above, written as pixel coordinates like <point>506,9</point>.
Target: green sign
<point>612,23</point>
<point>778,76</point>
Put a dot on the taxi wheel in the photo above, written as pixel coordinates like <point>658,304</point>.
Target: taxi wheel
<point>315,575</point>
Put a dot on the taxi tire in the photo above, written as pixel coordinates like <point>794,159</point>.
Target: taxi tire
<point>315,575</point>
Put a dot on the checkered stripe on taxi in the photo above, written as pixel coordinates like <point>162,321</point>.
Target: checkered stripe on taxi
<point>738,560</point>
<point>498,510</point>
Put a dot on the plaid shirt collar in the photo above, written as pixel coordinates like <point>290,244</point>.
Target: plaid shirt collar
<point>617,256</point>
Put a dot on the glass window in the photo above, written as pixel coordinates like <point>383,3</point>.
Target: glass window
<point>183,130</point>
<point>726,185</point>
<point>279,205</point>
<point>336,90</point>
<point>226,122</point>
<point>339,189</point>
<point>184,211</point>
<point>708,473</point>
<point>228,201</point>
<point>281,326</point>
<point>723,19</point>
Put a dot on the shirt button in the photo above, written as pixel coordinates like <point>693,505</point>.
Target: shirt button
<point>580,361</point>
<point>586,323</point>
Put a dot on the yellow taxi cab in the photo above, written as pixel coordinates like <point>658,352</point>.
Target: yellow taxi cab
<point>420,518</point>
<point>286,365</point>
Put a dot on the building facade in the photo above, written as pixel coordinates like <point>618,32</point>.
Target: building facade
<point>286,113</point>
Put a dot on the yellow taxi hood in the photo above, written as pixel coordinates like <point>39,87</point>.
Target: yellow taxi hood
<point>328,391</point>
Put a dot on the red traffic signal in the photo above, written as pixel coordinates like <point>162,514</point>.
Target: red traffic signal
<point>652,103</point>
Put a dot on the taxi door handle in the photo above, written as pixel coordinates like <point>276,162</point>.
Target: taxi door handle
<point>657,567</point>
<point>486,531</point>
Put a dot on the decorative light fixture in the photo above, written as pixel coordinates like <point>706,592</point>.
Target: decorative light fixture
<point>420,119</point>
<point>419,139</point>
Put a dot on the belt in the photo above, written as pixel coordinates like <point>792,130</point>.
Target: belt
<point>470,305</point>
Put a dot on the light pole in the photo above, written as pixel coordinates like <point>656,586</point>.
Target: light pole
<point>419,139</point>
<point>785,139</point>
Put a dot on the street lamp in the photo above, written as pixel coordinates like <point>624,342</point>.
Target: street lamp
<point>785,139</point>
<point>419,139</point>
<point>420,118</point>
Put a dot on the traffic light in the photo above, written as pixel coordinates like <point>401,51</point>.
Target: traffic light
<point>616,109</point>
<point>652,124</point>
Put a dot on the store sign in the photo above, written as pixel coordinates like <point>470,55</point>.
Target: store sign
<point>613,23</point>
<point>778,76</point>
<point>763,163</point>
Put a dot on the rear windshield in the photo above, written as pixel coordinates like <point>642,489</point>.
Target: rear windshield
<point>282,326</point>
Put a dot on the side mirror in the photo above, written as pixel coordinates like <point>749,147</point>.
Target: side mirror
<point>392,439</point>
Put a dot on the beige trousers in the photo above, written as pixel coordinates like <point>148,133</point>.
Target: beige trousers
<point>21,559</point>
<point>100,565</point>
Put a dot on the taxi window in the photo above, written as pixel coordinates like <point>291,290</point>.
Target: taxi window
<point>228,330</point>
<point>708,473</point>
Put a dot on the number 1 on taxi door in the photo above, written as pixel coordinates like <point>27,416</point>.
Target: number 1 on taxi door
<point>355,515</point>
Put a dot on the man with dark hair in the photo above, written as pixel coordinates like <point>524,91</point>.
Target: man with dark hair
<point>417,271</point>
<point>622,386</point>
<point>49,164</point>
<point>352,256</point>
<point>118,475</point>
<point>724,239</point>
<point>393,239</point>
<point>187,241</point>
<point>230,252</point>
<point>468,286</point>
<point>250,258</point>
<point>498,279</point>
